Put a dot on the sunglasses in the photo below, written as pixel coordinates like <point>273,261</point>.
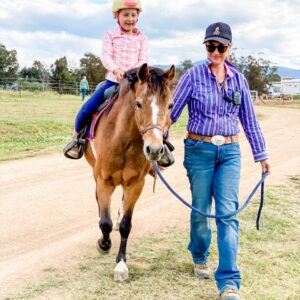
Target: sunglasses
<point>221,48</point>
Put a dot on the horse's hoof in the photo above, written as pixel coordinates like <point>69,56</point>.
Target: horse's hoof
<point>121,271</point>
<point>103,247</point>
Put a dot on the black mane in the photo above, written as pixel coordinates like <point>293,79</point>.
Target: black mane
<point>156,82</point>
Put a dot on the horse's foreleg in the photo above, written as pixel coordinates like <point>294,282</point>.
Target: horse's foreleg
<point>131,194</point>
<point>104,191</point>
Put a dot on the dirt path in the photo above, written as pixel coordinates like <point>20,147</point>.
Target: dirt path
<point>48,215</point>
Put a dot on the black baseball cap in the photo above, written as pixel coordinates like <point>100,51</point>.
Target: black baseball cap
<point>219,32</point>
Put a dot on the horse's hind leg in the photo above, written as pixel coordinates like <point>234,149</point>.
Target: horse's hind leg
<point>131,194</point>
<point>104,191</point>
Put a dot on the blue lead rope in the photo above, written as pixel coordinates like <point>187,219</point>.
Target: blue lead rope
<point>225,216</point>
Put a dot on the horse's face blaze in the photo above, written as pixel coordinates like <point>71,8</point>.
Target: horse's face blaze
<point>153,104</point>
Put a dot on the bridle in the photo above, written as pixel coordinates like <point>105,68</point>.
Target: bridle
<point>149,127</point>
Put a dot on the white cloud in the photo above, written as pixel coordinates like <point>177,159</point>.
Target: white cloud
<point>49,29</point>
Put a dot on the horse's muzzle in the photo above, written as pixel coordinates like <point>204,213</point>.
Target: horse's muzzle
<point>154,152</point>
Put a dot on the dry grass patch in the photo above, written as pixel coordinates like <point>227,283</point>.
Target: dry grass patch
<point>160,266</point>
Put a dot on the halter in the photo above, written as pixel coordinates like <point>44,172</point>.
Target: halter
<point>149,127</point>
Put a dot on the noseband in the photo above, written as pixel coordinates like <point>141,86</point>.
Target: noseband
<point>149,127</point>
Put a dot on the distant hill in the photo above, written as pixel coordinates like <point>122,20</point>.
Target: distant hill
<point>288,72</point>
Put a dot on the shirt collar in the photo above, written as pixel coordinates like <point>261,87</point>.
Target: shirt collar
<point>121,31</point>
<point>229,67</point>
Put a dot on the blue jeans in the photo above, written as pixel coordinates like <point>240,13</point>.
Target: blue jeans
<point>214,172</point>
<point>87,110</point>
<point>83,93</point>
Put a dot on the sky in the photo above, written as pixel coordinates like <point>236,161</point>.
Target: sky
<point>46,30</point>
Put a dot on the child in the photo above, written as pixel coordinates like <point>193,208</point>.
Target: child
<point>123,48</point>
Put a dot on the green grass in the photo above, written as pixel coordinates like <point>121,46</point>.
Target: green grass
<point>32,124</point>
<point>160,266</point>
<point>35,123</point>
<point>40,123</point>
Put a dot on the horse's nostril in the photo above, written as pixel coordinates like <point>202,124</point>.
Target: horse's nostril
<point>148,150</point>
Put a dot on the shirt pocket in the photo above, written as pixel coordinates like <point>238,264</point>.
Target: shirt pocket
<point>203,96</point>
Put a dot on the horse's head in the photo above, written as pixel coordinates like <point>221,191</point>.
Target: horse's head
<point>153,103</point>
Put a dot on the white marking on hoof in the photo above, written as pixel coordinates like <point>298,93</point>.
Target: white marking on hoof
<point>121,271</point>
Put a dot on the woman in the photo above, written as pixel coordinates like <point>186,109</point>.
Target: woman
<point>217,95</point>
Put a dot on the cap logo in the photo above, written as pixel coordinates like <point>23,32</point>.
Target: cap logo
<point>217,31</point>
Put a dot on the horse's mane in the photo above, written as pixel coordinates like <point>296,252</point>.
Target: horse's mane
<point>157,81</point>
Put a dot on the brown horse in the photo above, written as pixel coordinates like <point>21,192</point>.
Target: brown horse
<point>127,139</point>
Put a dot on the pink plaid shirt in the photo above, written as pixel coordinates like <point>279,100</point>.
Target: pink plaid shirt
<point>122,51</point>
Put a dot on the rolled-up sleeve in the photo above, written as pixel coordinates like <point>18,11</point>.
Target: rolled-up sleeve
<point>251,126</point>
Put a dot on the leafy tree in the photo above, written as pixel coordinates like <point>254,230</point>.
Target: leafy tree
<point>37,71</point>
<point>63,80</point>
<point>8,62</point>
<point>184,65</point>
<point>91,66</point>
<point>258,72</point>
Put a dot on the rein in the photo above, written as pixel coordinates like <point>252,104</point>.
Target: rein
<point>225,216</point>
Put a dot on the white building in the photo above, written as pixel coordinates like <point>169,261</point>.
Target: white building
<point>287,86</point>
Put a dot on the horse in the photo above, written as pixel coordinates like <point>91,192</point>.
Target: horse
<point>127,139</point>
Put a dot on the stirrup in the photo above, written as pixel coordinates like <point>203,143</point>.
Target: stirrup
<point>167,158</point>
<point>76,148</point>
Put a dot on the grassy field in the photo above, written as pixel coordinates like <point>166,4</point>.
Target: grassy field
<point>36,123</point>
<point>160,266</point>
<point>40,123</point>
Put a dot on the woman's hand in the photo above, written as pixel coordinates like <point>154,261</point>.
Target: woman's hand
<point>266,167</point>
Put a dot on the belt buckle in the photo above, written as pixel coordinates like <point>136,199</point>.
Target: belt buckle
<point>218,140</point>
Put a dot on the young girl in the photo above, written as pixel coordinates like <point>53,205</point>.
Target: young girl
<point>123,48</point>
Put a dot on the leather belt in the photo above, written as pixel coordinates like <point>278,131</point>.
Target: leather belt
<point>217,140</point>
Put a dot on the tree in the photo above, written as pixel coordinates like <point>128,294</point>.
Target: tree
<point>184,65</point>
<point>91,66</point>
<point>258,72</point>
<point>63,81</point>
<point>8,62</point>
<point>37,71</point>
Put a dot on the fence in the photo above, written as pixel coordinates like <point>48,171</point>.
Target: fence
<point>39,85</point>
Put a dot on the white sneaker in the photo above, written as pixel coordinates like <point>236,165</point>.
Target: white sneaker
<point>202,271</point>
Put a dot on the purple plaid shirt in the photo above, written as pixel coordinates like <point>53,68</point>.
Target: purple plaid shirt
<point>210,114</point>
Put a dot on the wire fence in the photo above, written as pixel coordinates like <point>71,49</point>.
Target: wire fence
<point>40,85</point>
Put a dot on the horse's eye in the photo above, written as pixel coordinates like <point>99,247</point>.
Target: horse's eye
<point>138,104</point>
<point>170,106</point>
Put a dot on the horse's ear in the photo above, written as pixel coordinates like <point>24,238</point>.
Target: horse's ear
<point>169,74</point>
<point>143,73</point>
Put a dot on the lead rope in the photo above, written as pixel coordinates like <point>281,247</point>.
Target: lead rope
<point>225,216</point>
<point>261,204</point>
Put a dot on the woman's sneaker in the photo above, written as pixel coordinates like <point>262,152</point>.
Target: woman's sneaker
<point>230,294</point>
<point>202,271</point>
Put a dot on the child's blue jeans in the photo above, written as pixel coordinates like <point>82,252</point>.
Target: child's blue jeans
<point>87,110</point>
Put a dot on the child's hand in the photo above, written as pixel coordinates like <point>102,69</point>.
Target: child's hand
<point>119,74</point>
